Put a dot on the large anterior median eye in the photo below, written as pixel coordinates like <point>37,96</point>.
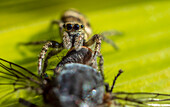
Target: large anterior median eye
<point>69,26</point>
<point>76,27</point>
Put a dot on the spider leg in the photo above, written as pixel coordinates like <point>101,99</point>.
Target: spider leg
<point>110,42</point>
<point>59,23</point>
<point>101,61</point>
<point>50,54</point>
<point>112,33</point>
<point>50,44</point>
<point>26,103</point>
<point>95,39</point>
<point>34,43</point>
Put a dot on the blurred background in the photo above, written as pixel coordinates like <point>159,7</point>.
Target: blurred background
<point>144,47</point>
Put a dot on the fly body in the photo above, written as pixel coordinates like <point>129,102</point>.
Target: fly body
<point>75,85</point>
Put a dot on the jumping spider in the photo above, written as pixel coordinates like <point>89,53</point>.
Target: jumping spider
<point>75,31</point>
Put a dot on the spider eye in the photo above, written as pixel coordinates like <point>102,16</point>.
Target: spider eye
<point>76,27</point>
<point>69,26</point>
<point>82,26</point>
<point>64,25</point>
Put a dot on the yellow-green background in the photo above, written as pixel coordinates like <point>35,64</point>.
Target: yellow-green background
<point>144,47</point>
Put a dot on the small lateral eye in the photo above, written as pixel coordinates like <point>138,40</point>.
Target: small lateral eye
<point>82,26</point>
<point>69,26</point>
<point>76,27</point>
<point>64,25</point>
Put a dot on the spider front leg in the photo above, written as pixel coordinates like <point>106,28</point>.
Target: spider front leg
<point>50,44</point>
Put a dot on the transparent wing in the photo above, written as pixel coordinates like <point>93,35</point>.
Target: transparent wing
<point>142,99</point>
<point>14,77</point>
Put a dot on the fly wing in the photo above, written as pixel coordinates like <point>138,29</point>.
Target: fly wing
<point>142,99</point>
<point>14,77</point>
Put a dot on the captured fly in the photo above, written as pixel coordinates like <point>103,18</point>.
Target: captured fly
<point>75,85</point>
<point>75,31</point>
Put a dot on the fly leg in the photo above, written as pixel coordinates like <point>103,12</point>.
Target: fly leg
<point>108,89</point>
<point>114,81</point>
<point>110,33</point>
<point>26,103</point>
<point>50,44</point>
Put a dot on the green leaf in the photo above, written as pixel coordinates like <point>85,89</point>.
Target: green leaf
<point>144,46</point>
